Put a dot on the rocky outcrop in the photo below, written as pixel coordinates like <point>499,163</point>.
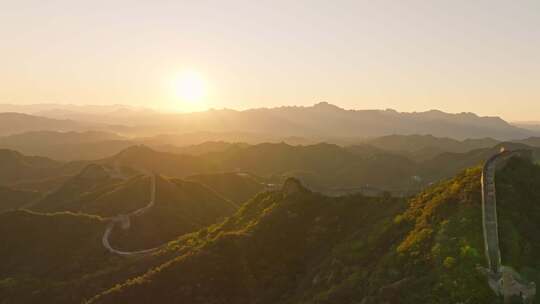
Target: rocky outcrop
<point>293,186</point>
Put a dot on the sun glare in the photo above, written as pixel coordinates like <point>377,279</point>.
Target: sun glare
<point>189,86</point>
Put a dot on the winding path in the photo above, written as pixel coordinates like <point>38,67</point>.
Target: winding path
<point>125,222</point>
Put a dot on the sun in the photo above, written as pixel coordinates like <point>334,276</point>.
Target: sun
<point>189,86</point>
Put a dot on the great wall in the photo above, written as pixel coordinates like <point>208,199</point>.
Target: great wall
<point>124,221</point>
<point>503,280</point>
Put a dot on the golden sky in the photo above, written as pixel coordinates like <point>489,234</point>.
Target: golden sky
<point>456,56</point>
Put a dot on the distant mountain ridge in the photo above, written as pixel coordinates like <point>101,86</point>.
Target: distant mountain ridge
<point>424,147</point>
<point>322,120</point>
<point>70,145</point>
<point>323,167</point>
<point>327,120</point>
<point>12,123</point>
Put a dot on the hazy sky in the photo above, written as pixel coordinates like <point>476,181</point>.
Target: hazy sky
<point>477,56</point>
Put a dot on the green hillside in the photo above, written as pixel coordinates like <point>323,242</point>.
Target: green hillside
<point>270,251</point>
<point>283,246</point>
<point>237,187</point>
<point>180,207</point>
<point>13,198</point>
<point>44,254</point>
<point>16,166</point>
<point>423,147</point>
<point>45,185</point>
<point>295,246</point>
<point>518,202</point>
<point>449,164</point>
<point>146,159</point>
<point>94,191</point>
<point>60,256</point>
<point>321,166</point>
<point>438,256</point>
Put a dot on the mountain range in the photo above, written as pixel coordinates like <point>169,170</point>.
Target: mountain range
<point>281,122</point>
<point>289,245</point>
<point>385,165</point>
<point>119,205</point>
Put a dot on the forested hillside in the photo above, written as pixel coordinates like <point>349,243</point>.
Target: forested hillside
<point>290,245</point>
<point>46,256</point>
<point>180,207</point>
<point>94,191</point>
<point>295,246</point>
<point>237,187</point>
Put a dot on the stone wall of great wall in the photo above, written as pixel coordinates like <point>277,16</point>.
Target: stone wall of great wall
<point>503,280</point>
